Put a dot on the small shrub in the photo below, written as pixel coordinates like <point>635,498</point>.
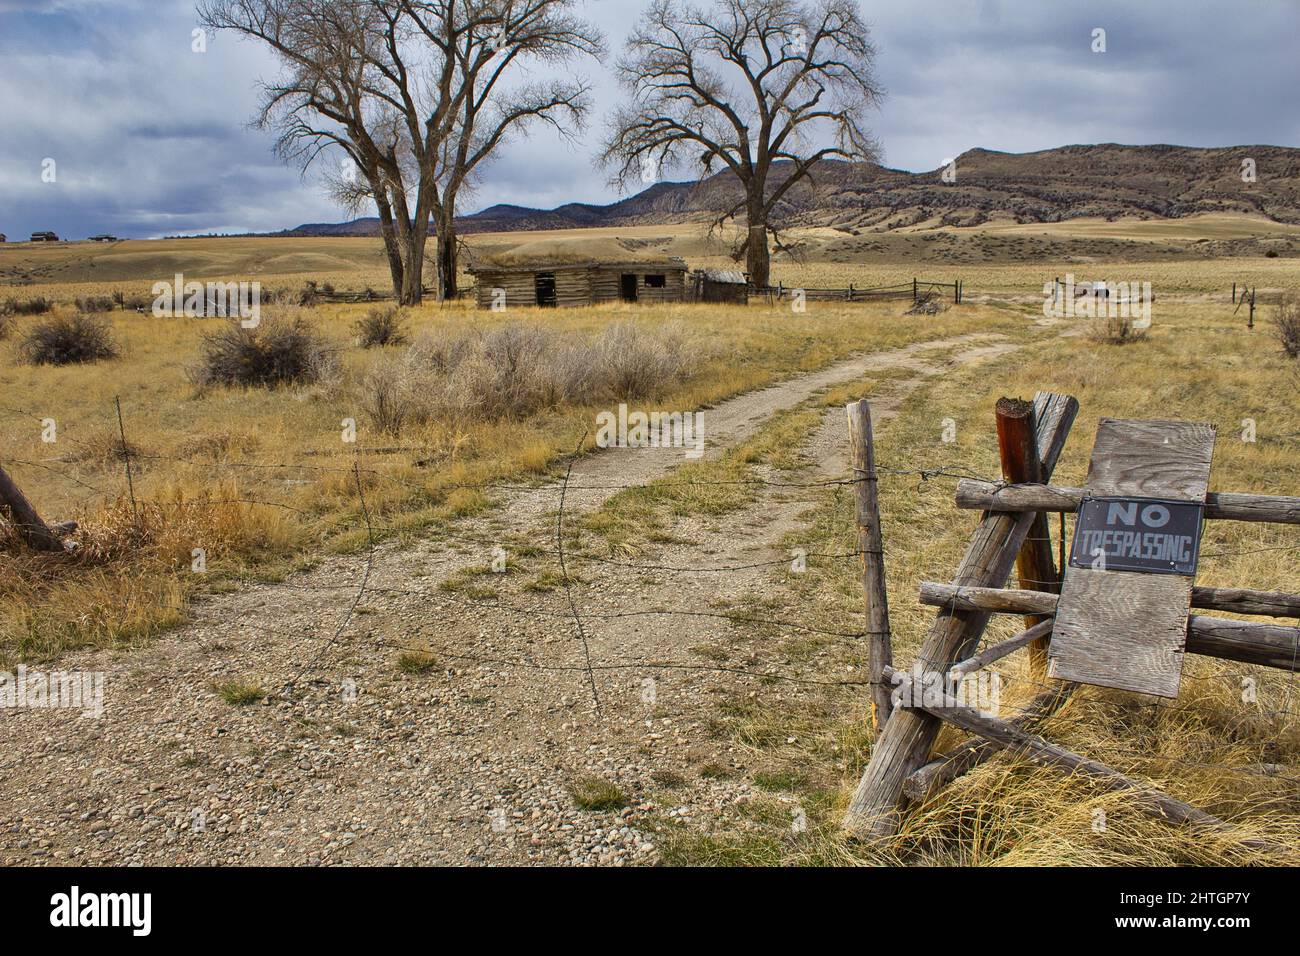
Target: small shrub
<point>70,340</point>
<point>1287,324</point>
<point>416,662</point>
<point>1271,254</point>
<point>37,305</point>
<point>387,396</point>
<point>669,778</point>
<point>631,363</point>
<point>6,326</point>
<point>381,327</point>
<point>1115,330</point>
<point>238,694</point>
<point>275,352</point>
<point>94,304</point>
<point>598,794</point>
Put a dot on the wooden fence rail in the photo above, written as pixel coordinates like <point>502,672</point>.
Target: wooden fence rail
<point>902,766</point>
<point>913,291</point>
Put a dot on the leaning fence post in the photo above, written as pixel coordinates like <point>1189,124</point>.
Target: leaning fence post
<point>872,551</point>
<point>34,531</point>
<point>1018,450</point>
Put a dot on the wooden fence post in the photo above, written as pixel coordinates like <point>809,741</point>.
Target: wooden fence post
<point>1250,322</point>
<point>909,736</point>
<point>914,289</point>
<point>1018,449</point>
<point>1234,293</point>
<point>872,550</point>
<point>34,531</point>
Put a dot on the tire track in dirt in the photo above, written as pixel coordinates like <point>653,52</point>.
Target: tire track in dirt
<point>465,764</point>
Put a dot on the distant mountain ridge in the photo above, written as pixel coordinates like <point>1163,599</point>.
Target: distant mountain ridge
<point>1108,181</point>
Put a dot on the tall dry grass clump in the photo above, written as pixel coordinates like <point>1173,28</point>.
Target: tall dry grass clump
<point>1115,330</point>
<point>381,327</point>
<point>278,351</point>
<point>1286,323</point>
<point>69,340</point>
<point>519,369</point>
<point>122,581</point>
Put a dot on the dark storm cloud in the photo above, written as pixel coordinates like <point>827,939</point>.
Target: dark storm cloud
<point>151,138</point>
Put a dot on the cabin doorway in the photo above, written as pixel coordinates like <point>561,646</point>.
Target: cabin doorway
<point>627,287</point>
<point>544,284</point>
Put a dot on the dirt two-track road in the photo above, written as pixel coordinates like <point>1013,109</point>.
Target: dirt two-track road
<point>349,759</point>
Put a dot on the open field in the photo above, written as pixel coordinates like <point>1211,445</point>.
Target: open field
<point>476,736</point>
<point>995,257</point>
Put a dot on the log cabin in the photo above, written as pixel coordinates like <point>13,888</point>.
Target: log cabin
<point>565,282</point>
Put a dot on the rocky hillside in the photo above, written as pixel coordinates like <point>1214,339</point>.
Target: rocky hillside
<point>1106,181</point>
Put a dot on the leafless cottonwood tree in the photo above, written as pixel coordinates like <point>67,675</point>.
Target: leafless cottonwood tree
<point>416,93</point>
<point>748,84</point>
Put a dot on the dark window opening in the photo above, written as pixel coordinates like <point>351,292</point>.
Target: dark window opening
<point>655,281</point>
<point>544,283</point>
<point>627,287</point>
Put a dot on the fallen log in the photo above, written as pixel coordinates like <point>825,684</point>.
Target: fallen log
<point>34,532</point>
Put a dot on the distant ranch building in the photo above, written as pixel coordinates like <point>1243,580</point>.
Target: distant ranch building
<point>557,278</point>
<point>720,285</point>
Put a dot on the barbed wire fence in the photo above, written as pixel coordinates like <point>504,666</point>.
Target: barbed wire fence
<point>61,468</point>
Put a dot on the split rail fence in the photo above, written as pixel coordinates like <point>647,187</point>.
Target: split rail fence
<point>914,290</point>
<point>1083,622</point>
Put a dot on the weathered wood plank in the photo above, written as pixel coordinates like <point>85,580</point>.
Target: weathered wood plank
<point>1151,459</point>
<point>1220,505</point>
<point>963,758</point>
<point>1008,601</point>
<point>1249,642</point>
<point>1126,629</point>
<point>909,736</point>
<point>1000,650</point>
<point>872,549</point>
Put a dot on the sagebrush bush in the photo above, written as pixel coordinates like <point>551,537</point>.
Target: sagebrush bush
<point>96,303</point>
<point>515,370</point>
<point>381,327</point>
<point>1115,330</point>
<point>36,305</point>
<point>278,351</point>
<point>69,340</point>
<point>6,326</point>
<point>1287,324</point>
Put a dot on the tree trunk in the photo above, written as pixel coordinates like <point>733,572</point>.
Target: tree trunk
<point>388,231</point>
<point>413,280</point>
<point>757,260</point>
<point>447,258</point>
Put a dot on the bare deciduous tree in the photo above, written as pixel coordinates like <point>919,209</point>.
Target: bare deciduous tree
<point>415,95</point>
<point>747,84</point>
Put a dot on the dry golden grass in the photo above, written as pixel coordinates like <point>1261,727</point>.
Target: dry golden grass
<point>276,460</point>
<point>210,472</point>
<point>1234,754</point>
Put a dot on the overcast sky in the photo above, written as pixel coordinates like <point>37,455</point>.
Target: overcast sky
<point>150,138</point>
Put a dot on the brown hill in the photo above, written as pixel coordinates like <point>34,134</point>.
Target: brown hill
<point>1107,181</point>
